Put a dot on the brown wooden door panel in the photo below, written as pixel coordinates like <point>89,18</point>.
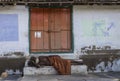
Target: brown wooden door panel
<point>64,40</point>
<point>65,19</point>
<point>57,16</point>
<point>40,40</point>
<point>46,17</point>
<point>52,41</point>
<point>33,17</point>
<point>45,29</point>
<point>69,40</point>
<point>40,19</point>
<point>51,20</point>
<point>40,26</point>
<point>58,40</point>
<point>46,40</point>
<point>33,40</point>
<point>68,20</point>
<point>34,50</point>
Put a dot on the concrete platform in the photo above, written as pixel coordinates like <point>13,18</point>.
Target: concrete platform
<point>75,69</point>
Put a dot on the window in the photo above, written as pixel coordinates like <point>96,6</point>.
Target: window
<point>50,30</point>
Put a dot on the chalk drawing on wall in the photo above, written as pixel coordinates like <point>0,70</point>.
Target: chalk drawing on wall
<point>8,27</point>
<point>102,28</point>
<point>95,28</point>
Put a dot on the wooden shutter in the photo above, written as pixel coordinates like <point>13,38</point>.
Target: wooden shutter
<point>50,30</point>
<point>65,30</point>
<point>33,28</point>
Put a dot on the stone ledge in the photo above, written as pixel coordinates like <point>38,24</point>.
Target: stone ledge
<point>75,69</point>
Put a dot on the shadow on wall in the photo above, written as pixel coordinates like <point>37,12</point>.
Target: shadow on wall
<point>101,59</point>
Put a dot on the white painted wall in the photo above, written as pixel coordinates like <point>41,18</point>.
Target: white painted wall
<point>83,19</point>
<point>22,44</point>
<point>100,26</point>
<point>105,18</point>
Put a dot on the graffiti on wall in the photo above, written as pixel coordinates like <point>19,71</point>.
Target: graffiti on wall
<point>8,27</point>
<point>102,28</point>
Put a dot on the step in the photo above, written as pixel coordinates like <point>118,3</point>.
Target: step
<point>75,69</point>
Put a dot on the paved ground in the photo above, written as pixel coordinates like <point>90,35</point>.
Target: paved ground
<point>111,76</point>
<point>11,78</point>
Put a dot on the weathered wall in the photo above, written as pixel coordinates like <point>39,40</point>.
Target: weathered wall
<point>21,44</point>
<point>92,25</point>
<point>96,25</point>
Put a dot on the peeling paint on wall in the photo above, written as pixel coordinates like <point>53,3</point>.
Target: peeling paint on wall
<point>101,59</point>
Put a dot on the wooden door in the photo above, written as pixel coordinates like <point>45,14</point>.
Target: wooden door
<point>50,30</point>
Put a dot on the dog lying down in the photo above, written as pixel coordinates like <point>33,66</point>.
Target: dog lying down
<point>63,66</point>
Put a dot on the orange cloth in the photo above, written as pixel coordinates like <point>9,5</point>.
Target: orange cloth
<point>61,65</point>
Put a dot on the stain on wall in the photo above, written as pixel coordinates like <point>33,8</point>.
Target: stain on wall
<point>102,63</point>
<point>12,65</point>
<point>101,59</point>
